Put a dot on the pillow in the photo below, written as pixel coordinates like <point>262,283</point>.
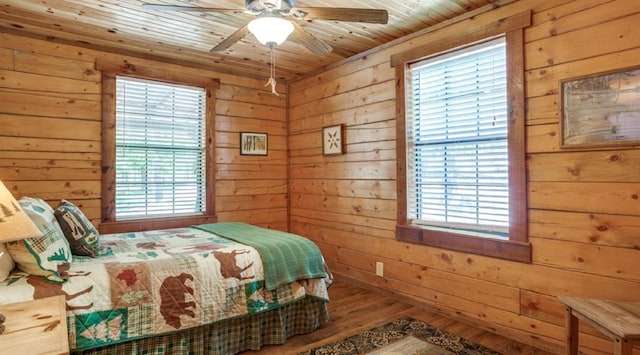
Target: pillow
<point>79,231</point>
<point>6,263</point>
<point>48,255</point>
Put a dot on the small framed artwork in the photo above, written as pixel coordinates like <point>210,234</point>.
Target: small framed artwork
<point>601,110</point>
<point>253,143</point>
<point>332,141</point>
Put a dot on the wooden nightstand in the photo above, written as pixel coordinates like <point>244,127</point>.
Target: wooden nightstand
<point>35,327</point>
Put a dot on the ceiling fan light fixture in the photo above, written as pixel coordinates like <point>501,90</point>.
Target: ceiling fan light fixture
<point>269,29</point>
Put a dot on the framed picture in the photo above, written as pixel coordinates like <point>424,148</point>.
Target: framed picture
<point>332,143</point>
<point>253,143</point>
<point>601,109</point>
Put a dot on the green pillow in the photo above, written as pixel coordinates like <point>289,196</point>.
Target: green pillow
<point>79,231</point>
<point>49,255</point>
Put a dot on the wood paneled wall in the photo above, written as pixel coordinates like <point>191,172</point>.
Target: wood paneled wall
<point>584,210</point>
<point>583,206</point>
<point>50,132</point>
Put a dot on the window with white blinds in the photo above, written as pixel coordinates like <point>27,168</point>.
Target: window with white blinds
<point>160,149</point>
<point>457,147</point>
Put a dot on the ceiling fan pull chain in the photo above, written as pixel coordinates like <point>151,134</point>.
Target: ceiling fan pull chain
<point>272,82</point>
<point>272,78</point>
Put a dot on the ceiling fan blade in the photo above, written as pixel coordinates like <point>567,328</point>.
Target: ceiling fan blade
<point>345,14</point>
<point>159,7</point>
<point>314,44</point>
<point>229,41</point>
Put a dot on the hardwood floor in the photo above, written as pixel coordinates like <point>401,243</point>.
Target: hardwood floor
<point>354,309</point>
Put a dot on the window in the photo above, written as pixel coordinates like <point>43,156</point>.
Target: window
<point>460,144</point>
<point>157,148</point>
<point>457,141</point>
<point>160,149</point>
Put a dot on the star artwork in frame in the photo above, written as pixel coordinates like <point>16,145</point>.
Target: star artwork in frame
<point>332,141</point>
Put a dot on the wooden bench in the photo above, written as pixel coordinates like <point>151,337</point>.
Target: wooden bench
<point>620,321</point>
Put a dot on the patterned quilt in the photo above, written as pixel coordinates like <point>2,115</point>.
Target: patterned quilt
<point>149,283</point>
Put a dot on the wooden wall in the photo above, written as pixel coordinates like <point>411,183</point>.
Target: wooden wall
<point>50,132</point>
<point>584,210</point>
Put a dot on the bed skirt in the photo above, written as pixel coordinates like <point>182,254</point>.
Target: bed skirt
<point>230,336</point>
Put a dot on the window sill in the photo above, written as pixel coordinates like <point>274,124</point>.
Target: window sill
<point>495,248</point>
<point>137,225</point>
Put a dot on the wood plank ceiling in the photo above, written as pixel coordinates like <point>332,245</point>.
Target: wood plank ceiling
<point>123,26</point>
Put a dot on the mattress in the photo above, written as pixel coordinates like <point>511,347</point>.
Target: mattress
<point>145,284</point>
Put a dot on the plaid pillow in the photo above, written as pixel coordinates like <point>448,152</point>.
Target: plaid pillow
<point>48,255</point>
<point>79,231</point>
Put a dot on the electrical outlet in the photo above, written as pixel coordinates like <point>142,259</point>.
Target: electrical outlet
<point>379,268</point>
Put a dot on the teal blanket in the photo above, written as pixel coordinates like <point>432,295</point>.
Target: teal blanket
<point>286,257</point>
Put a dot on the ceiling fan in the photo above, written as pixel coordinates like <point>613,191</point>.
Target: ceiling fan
<point>273,23</point>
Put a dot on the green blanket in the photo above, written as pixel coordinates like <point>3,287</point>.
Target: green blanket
<point>286,257</point>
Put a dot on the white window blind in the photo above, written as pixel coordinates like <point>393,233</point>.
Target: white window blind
<point>457,141</point>
<point>160,149</point>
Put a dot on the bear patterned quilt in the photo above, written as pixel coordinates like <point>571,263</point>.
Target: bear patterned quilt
<point>149,283</point>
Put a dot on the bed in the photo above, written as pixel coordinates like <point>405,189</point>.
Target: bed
<point>219,288</point>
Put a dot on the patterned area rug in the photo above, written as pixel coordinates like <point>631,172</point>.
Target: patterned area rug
<point>404,336</point>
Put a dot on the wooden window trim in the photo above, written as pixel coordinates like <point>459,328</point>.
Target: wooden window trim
<point>517,247</point>
<point>110,70</point>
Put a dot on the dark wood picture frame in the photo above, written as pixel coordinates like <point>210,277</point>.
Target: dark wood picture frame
<point>601,109</point>
<point>253,143</point>
<point>333,140</point>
